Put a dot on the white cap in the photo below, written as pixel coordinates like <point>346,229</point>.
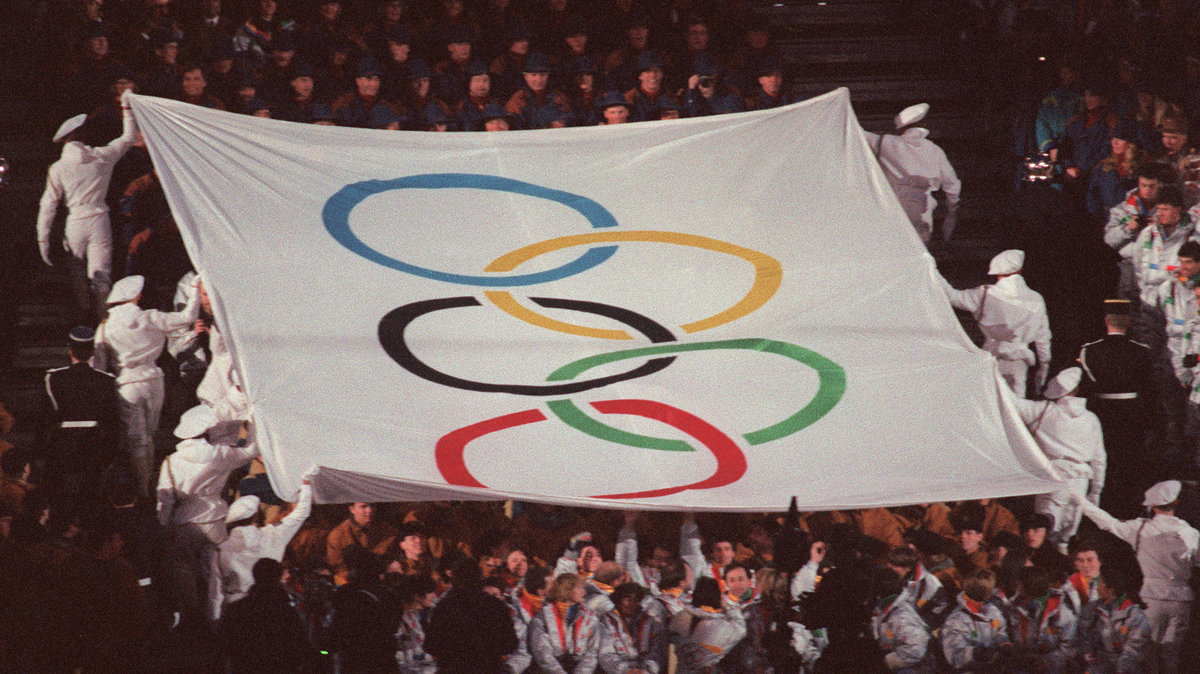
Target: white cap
<point>242,508</point>
<point>195,422</point>
<point>126,289</point>
<point>1162,493</point>
<point>1066,381</point>
<point>911,115</point>
<point>1008,262</point>
<point>69,126</point>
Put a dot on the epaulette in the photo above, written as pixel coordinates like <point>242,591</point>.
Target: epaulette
<point>1144,346</point>
<point>1090,344</point>
<point>58,369</point>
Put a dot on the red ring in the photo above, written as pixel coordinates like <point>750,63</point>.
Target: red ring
<point>731,462</point>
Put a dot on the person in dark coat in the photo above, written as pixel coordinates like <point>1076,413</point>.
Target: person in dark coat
<point>82,425</point>
<point>470,631</point>
<point>262,632</point>
<point>365,618</point>
<point>1119,390</point>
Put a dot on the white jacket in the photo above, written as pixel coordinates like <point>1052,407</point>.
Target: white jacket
<point>915,167</point>
<point>1069,434</point>
<point>131,339</point>
<point>1011,316</point>
<point>80,178</point>
<point>192,479</point>
<point>246,545</point>
<point>1167,548</point>
<point>219,388</point>
<point>702,638</point>
<point>1155,257</point>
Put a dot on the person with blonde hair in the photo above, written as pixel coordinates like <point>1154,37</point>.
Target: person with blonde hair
<point>564,636</point>
<point>1114,176</point>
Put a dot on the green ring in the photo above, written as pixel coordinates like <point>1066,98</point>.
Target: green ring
<point>831,387</point>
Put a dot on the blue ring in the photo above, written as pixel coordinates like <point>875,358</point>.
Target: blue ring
<point>336,215</point>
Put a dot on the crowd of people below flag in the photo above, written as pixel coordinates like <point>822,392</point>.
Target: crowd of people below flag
<point>118,553</point>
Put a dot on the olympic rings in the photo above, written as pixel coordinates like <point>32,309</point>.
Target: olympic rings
<point>336,215</point>
<point>731,462</point>
<point>768,275</point>
<point>451,447</point>
<point>831,387</point>
<point>394,323</point>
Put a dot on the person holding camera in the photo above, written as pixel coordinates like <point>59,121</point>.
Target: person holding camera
<point>707,93</point>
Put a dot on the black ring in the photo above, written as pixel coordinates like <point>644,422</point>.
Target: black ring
<point>393,324</point>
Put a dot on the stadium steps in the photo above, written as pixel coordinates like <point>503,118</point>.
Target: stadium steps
<point>891,54</point>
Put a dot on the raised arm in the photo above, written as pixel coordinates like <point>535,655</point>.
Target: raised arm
<point>120,145</point>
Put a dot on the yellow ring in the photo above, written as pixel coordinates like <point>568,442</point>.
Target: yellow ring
<point>768,274</point>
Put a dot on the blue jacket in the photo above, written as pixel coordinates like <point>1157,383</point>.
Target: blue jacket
<point>1107,189</point>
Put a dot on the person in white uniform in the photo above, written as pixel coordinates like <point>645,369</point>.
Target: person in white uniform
<point>190,504</point>
<point>916,168</point>
<point>249,541</point>
<point>1011,316</point>
<point>128,343</point>
<point>1071,437</point>
<point>79,180</point>
<point>1167,549</point>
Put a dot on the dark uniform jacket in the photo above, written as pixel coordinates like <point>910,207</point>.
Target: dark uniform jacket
<point>83,420</point>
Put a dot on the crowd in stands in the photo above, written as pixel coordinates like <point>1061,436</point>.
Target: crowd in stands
<point>121,550</point>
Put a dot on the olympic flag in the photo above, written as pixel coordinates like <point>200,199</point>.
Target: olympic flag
<point>712,313</point>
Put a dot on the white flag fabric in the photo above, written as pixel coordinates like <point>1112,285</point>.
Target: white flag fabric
<point>710,314</point>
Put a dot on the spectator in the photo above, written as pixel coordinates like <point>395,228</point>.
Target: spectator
<point>1115,634</point>
<point>468,615</point>
<point>1128,218</point>
<point>647,97</point>
<point>975,632</point>
<point>1042,623</point>
<point>1113,178</point>
<point>360,529</point>
<point>532,100</point>
<point>631,639</point>
<point>364,620</point>
<point>898,630</point>
<point>707,92</point>
<point>262,632</point>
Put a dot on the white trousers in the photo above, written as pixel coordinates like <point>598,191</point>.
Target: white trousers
<point>193,555</point>
<point>1066,514</point>
<point>141,405</point>
<point>1168,628</point>
<point>89,241</point>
